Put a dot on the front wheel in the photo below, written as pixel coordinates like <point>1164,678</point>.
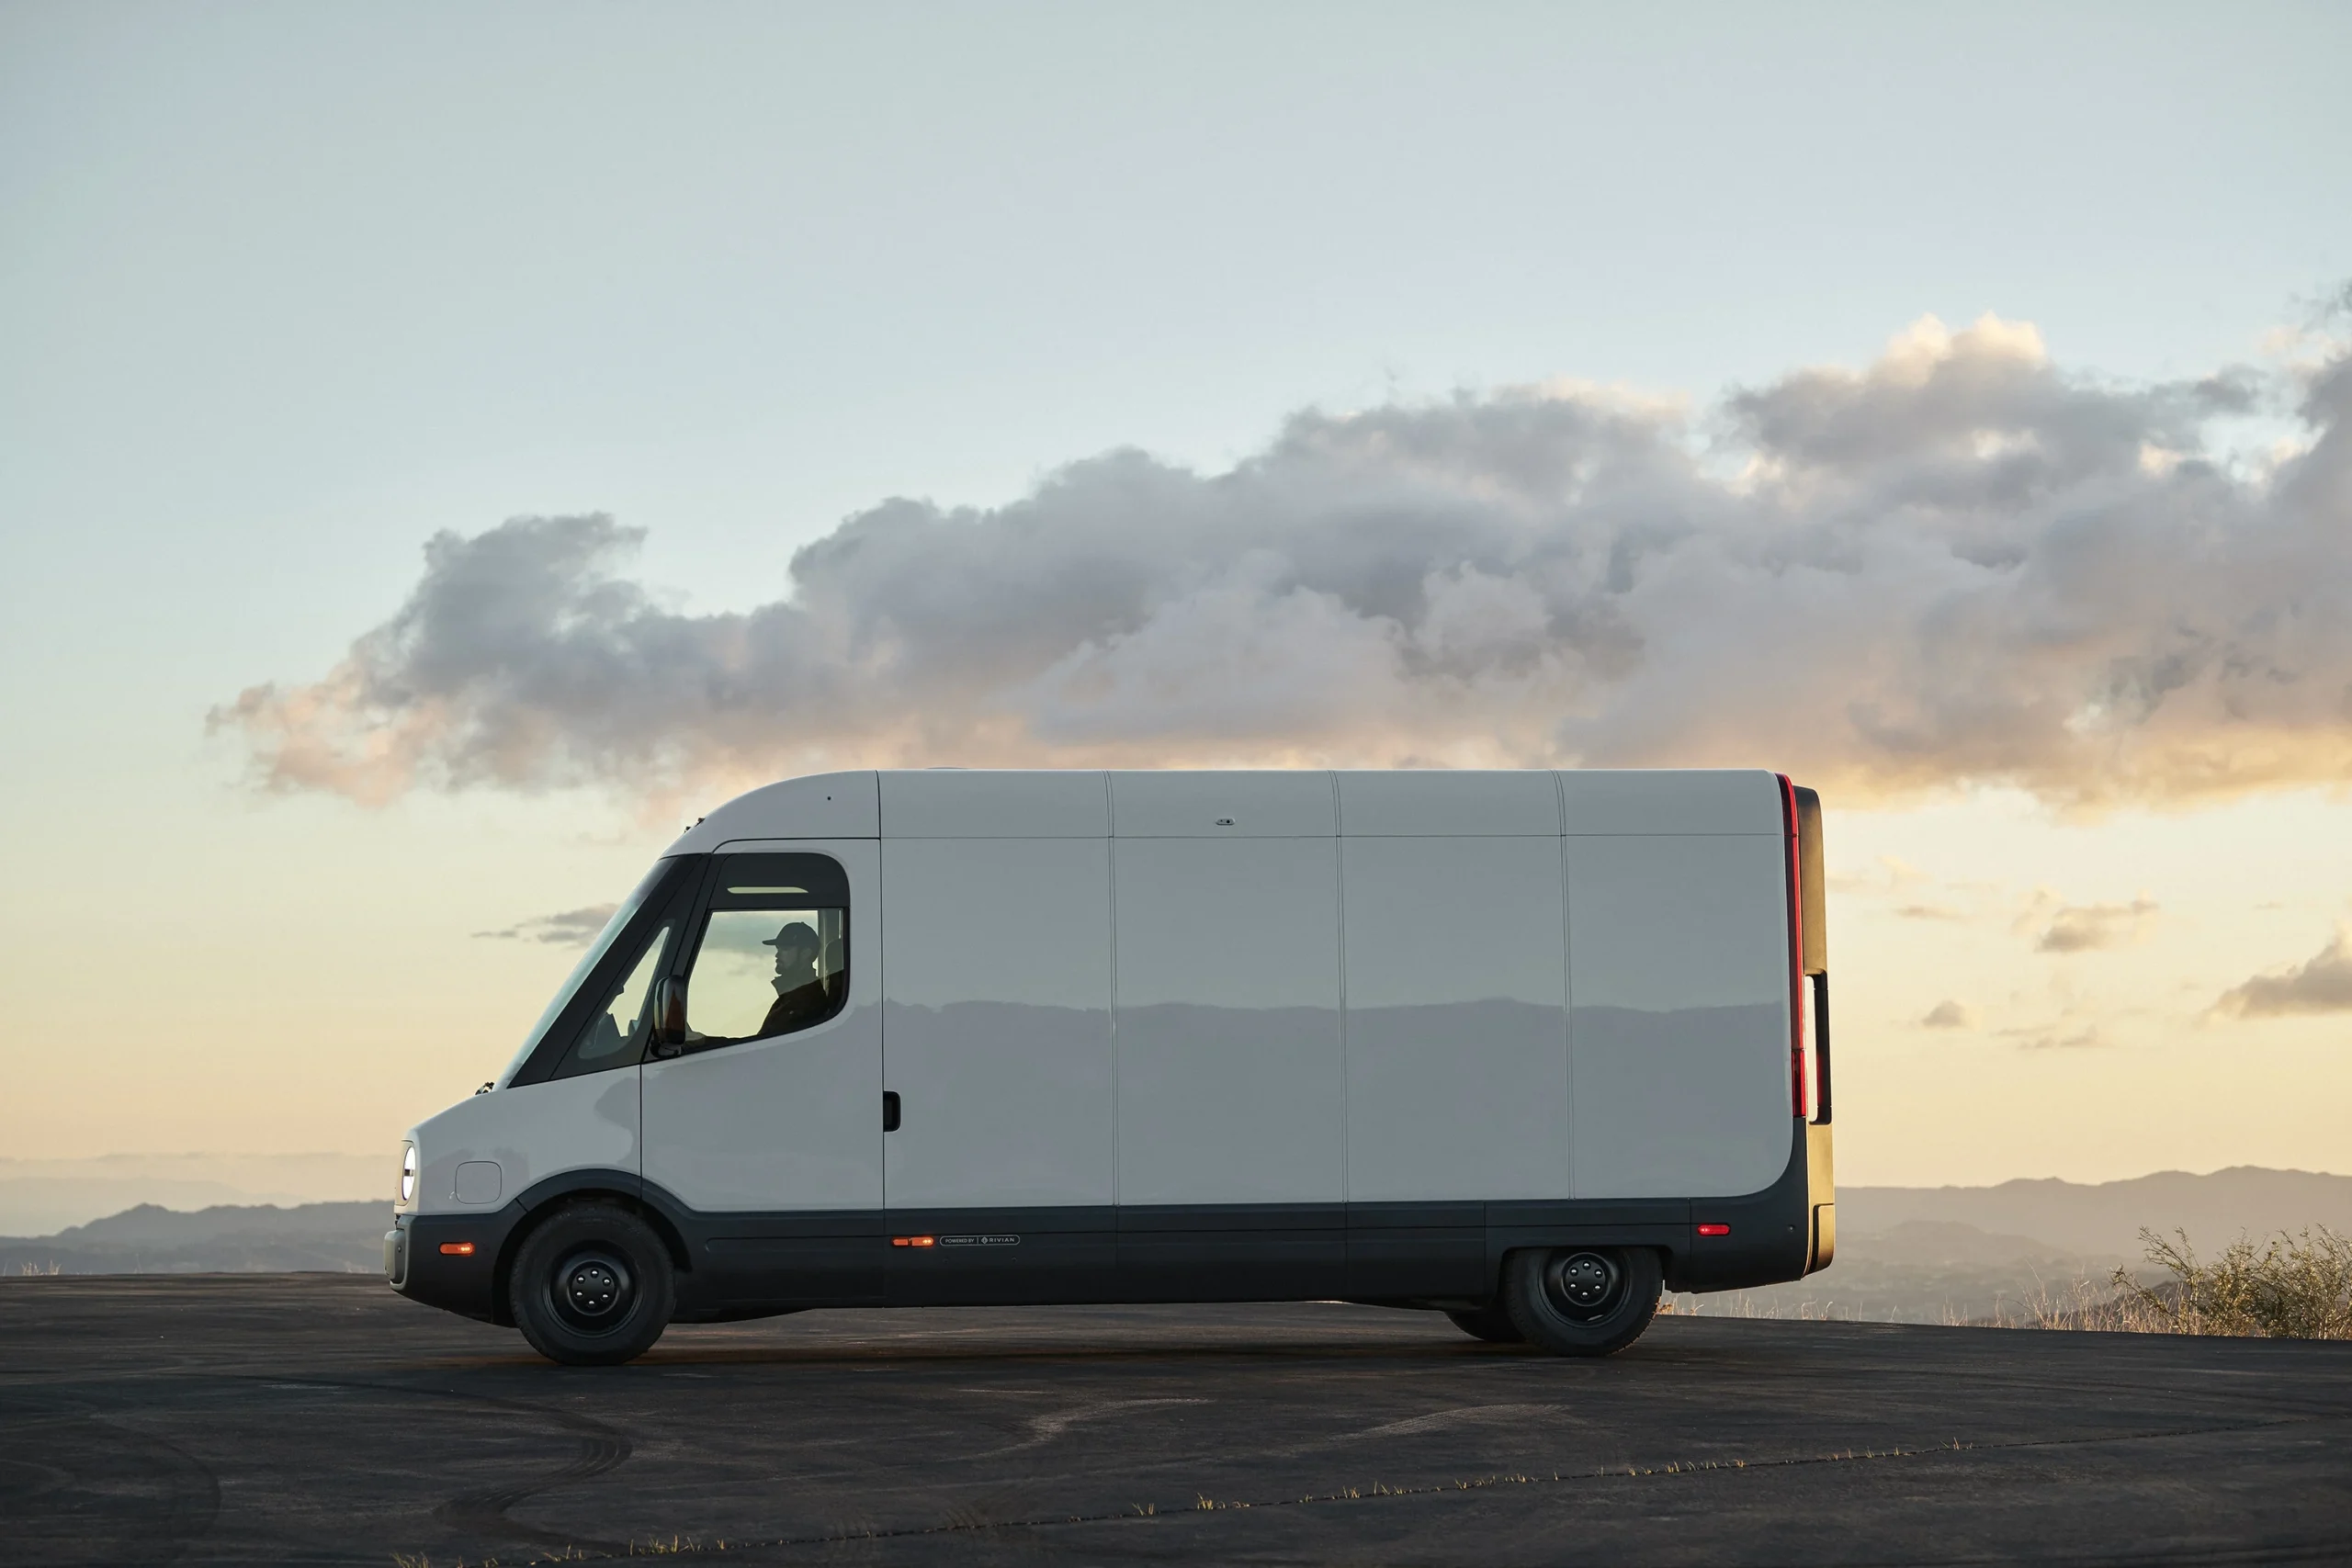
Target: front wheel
<point>592,1286</point>
<point>1581,1301</point>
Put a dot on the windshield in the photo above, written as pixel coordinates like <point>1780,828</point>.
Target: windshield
<point>621,915</point>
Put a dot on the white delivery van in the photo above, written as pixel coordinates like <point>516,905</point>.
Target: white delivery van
<point>1519,1047</point>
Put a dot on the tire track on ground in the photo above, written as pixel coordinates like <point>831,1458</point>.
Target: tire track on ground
<point>2329,1549</point>
<point>603,1449</point>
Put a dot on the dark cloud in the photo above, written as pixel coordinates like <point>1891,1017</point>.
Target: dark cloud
<point>1962,564</point>
<point>1949,1015</point>
<point>572,928</point>
<point>2323,984</point>
<point>2085,928</point>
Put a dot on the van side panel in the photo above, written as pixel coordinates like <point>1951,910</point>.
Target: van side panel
<point>1666,800</point>
<point>994,803</point>
<point>1441,802</point>
<point>1678,1023</point>
<point>996,1027</point>
<point>1457,1026</point>
<point>1268,805</point>
<point>1229,1021</point>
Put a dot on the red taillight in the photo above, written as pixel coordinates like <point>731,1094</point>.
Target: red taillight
<point>914,1241</point>
<point>1806,1085</point>
<point>458,1249</point>
<point>1714,1230</point>
<point>1800,1036</point>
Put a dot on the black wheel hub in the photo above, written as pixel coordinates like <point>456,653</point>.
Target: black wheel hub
<point>1583,1285</point>
<point>592,1291</point>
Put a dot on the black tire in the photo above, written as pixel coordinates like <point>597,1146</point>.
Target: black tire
<point>592,1286</point>
<point>1581,1301</point>
<point>1490,1323</point>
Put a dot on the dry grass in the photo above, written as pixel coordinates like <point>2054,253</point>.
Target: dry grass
<point>676,1546</point>
<point>2285,1286</point>
<point>1740,1304</point>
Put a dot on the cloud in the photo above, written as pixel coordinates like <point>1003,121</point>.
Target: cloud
<point>2067,1031</point>
<point>1927,912</point>
<point>1895,873</point>
<point>2085,928</point>
<point>2050,1040</point>
<point>572,928</point>
<point>2322,984</point>
<point>1949,1015</point>
<point>1957,565</point>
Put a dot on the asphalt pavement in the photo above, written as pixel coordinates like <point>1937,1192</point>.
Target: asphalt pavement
<point>319,1418</point>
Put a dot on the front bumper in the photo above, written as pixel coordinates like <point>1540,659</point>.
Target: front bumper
<point>453,1261</point>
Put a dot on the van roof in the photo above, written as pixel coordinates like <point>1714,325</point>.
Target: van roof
<point>988,803</point>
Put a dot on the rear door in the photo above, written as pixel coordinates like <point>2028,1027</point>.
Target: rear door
<point>767,1123</point>
<point>1679,1034</point>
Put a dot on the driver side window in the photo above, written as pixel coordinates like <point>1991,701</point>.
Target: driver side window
<point>617,1032</point>
<point>774,958</point>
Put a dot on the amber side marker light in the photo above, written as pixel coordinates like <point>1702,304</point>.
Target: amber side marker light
<point>1714,1230</point>
<point>458,1249</point>
<point>914,1241</point>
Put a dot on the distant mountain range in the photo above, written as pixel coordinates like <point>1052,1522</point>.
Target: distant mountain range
<point>2105,1219</point>
<point>39,1197</point>
<point>1914,1254</point>
<point>1975,1254</point>
<point>227,1239</point>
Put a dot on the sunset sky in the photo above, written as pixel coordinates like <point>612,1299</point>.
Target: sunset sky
<point>442,453</point>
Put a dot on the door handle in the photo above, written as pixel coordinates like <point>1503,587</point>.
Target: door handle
<point>889,1111</point>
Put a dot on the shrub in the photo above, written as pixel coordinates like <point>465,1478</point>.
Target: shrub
<point>2285,1288</point>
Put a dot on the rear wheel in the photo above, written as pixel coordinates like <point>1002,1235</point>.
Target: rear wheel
<point>1581,1301</point>
<point>1490,1323</point>
<point>592,1286</point>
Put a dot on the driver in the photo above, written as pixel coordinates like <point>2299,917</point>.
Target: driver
<point>800,997</point>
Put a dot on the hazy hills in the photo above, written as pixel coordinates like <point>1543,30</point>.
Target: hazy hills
<point>39,1197</point>
<point>1909,1253</point>
<point>227,1239</point>
<point>2106,1218</point>
<point>1935,1253</point>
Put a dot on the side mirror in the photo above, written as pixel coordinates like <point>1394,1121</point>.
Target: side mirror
<point>668,1017</point>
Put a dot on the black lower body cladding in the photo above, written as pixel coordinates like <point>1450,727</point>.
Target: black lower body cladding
<point>741,1264</point>
<point>1766,1239</point>
<point>451,1261</point>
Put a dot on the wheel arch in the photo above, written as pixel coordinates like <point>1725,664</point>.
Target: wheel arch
<point>569,1190</point>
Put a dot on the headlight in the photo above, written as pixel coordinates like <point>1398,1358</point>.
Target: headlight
<point>408,1173</point>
